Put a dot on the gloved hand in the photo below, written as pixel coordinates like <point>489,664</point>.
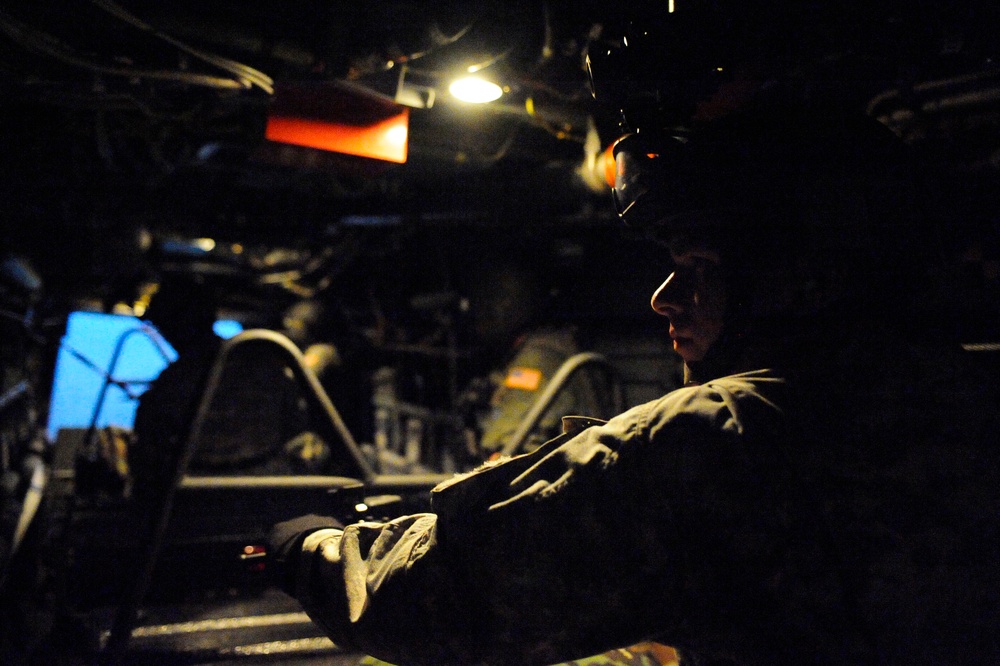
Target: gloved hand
<point>284,544</point>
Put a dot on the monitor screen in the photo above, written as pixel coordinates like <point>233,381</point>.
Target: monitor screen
<point>87,359</point>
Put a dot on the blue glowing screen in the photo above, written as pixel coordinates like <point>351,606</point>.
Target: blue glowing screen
<point>85,361</point>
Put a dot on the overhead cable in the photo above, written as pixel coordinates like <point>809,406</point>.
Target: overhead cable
<point>248,76</point>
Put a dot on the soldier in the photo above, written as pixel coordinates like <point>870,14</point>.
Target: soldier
<point>822,491</point>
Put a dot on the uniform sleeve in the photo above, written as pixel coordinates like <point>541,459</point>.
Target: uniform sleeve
<point>558,554</point>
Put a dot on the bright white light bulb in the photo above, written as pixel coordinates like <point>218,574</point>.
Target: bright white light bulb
<point>475,90</point>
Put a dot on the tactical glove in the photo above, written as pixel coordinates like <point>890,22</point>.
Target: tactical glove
<point>285,545</point>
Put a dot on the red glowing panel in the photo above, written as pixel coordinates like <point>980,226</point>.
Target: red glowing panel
<point>339,117</point>
<point>382,140</point>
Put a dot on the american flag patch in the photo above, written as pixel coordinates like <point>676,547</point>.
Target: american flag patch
<point>526,379</point>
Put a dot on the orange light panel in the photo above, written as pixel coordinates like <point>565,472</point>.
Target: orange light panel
<point>382,140</point>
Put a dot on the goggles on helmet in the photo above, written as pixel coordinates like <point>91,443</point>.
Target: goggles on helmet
<point>660,178</point>
<point>642,169</point>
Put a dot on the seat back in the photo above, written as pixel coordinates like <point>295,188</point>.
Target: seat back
<point>257,399</point>
<point>560,382</point>
<point>191,507</point>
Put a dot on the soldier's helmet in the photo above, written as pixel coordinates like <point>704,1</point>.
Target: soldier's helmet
<point>717,142</point>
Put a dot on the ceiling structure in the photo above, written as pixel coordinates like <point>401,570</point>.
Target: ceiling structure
<point>129,115</point>
<point>161,92</point>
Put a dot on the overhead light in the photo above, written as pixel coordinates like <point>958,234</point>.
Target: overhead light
<point>475,90</point>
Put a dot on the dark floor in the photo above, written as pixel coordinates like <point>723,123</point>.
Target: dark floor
<point>266,628</point>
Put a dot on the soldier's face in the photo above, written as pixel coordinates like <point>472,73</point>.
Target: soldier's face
<point>693,298</point>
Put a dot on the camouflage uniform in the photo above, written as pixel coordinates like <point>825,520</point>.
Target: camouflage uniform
<point>844,512</point>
